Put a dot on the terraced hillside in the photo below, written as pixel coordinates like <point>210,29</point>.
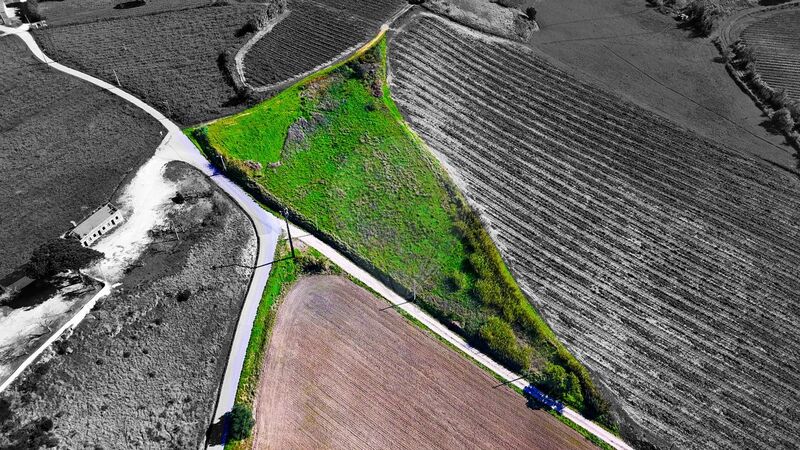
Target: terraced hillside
<point>667,264</point>
<point>314,33</point>
<point>776,40</point>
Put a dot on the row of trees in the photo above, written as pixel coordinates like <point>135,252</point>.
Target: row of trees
<point>786,115</point>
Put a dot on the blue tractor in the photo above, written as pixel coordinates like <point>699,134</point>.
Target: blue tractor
<point>534,393</point>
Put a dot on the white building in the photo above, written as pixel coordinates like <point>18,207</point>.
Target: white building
<point>98,224</point>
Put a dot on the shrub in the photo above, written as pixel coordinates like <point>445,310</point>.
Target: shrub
<point>702,15</point>
<point>59,255</point>
<point>530,12</point>
<point>458,280</point>
<point>778,99</point>
<point>794,110</point>
<point>556,381</point>
<point>782,120</point>
<point>30,11</point>
<point>746,54</point>
<point>183,295</point>
<point>501,341</point>
<point>241,422</point>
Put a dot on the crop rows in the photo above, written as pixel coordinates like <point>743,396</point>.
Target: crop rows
<point>665,263</point>
<point>776,40</point>
<point>311,35</point>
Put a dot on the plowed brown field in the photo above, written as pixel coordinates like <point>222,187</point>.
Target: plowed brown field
<point>666,263</point>
<point>342,371</point>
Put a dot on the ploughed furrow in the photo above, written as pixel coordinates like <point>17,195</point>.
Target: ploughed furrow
<point>666,264</point>
<point>312,34</point>
<point>506,120</point>
<point>690,172</point>
<point>777,49</point>
<point>489,167</point>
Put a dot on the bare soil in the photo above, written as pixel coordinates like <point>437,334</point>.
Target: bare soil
<point>344,371</point>
<point>54,168</point>
<point>144,367</point>
<point>635,51</point>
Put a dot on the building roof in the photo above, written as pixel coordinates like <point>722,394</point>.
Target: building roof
<point>96,219</point>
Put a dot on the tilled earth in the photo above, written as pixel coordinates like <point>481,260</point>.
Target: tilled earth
<point>343,371</point>
<point>144,367</point>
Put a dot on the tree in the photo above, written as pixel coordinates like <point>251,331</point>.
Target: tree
<point>782,120</point>
<point>241,422</point>
<point>59,255</point>
<point>30,11</point>
<point>530,12</point>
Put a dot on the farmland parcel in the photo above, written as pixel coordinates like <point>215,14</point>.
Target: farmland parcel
<point>335,151</point>
<point>776,42</point>
<point>665,262</point>
<point>54,168</point>
<point>143,369</point>
<point>312,34</point>
<point>343,371</point>
<point>173,60</point>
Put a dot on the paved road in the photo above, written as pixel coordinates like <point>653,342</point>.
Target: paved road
<point>268,228</point>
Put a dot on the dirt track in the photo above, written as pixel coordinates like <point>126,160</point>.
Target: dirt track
<point>342,373</point>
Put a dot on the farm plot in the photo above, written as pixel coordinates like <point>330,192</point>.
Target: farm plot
<point>335,152</point>
<point>667,264</point>
<point>342,372</point>
<point>312,35</point>
<point>53,167</point>
<point>143,369</point>
<point>776,42</point>
<point>80,11</point>
<point>170,60</point>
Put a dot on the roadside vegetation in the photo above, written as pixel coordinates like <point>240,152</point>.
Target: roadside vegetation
<point>335,151</point>
<point>782,109</point>
<point>142,370</point>
<point>281,277</point>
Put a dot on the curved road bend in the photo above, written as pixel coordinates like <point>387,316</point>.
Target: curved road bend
<point>268,227</point>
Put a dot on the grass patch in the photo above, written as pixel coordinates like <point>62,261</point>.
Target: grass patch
<point>335,151</point>
<point>282,275</point>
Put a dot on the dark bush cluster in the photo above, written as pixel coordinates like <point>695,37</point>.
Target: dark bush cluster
<point>59,255</point>
<point>241,422</point>
<point>29,11</point>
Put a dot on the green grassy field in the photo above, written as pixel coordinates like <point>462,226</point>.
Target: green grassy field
<point>335,150</point>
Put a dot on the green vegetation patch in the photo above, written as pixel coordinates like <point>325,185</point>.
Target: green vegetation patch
<point>336,152</point>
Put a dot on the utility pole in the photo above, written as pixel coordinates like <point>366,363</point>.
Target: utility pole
<point>288,230</point>
<point>225,169</point>
<point>115,76</point>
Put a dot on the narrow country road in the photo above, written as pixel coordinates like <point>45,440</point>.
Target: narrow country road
<point>268,229</point>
